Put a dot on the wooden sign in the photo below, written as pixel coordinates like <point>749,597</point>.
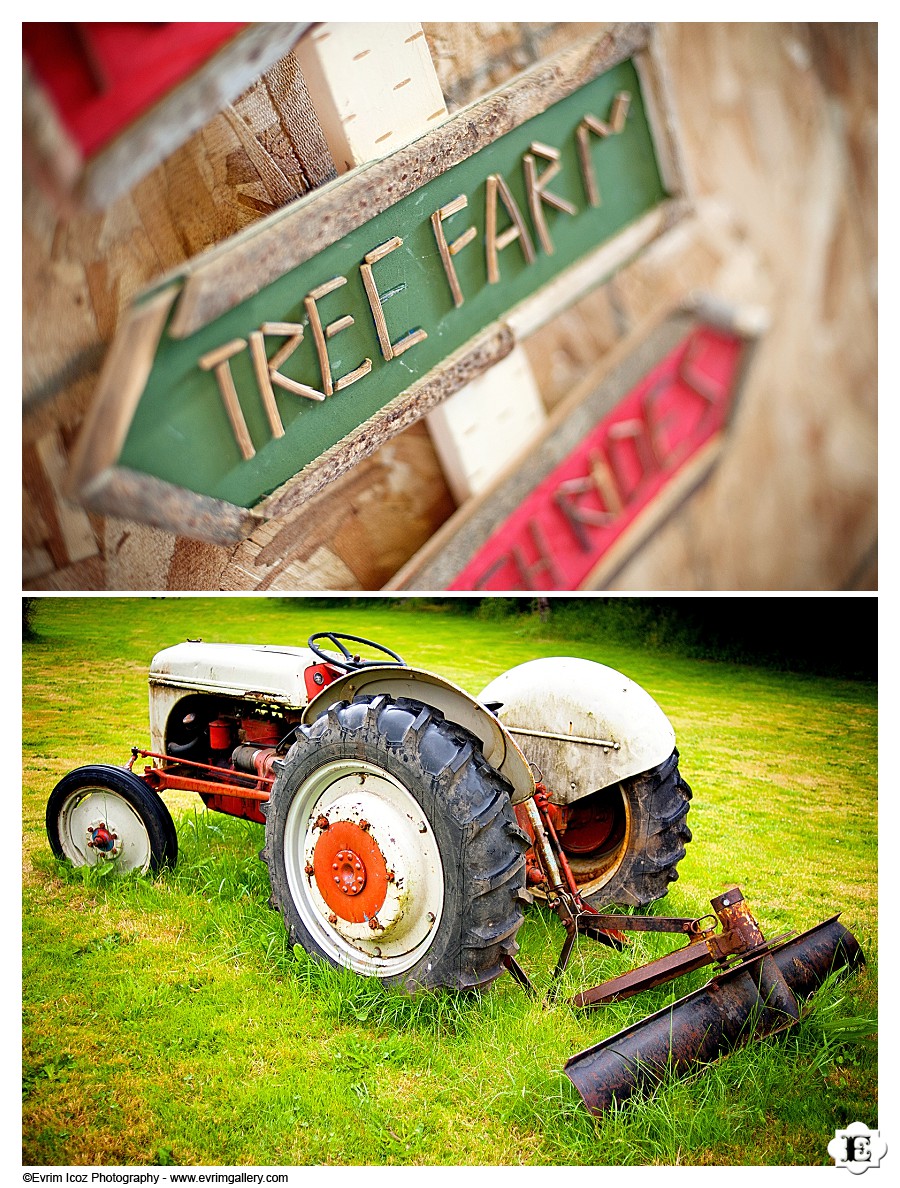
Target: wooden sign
<point>604,474</point>
<point>273,363</point>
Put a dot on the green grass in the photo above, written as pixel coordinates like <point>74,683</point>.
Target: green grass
<point>165,1020</point>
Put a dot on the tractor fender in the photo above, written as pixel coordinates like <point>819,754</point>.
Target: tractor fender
<point>499,747</point>
<point>583,725</point>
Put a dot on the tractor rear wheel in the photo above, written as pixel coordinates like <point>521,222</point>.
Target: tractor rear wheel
<point>99,814</point>
<point>393,848</point>
<point>640,830</point>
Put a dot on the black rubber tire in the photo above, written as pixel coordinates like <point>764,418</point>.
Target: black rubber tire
<point>124,784</point>
<point>658,802</point>
<point>467,804</point>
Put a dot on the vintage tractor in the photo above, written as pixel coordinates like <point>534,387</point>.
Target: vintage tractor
<point>408,824</point>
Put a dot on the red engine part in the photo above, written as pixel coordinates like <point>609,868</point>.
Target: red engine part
<point>588,826</point>
<point>227,790</point>
<point>534,874</point>
<point>233,806</point>
<point>262,731</point>
<point>220,735</point>
<point>254,760</point>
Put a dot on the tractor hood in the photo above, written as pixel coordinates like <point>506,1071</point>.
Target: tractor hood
<point>583,725</point>
<point>261,672</point>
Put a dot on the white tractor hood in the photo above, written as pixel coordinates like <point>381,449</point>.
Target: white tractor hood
<point>264,672</point>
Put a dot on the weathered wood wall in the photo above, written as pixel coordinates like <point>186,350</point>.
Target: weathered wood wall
<point>779,131</point>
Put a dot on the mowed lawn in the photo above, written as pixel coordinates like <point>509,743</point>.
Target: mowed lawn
<point>166,1021</point>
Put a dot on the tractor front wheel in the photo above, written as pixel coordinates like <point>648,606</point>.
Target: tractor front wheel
<point>393,848</point>
<point>98,814</point>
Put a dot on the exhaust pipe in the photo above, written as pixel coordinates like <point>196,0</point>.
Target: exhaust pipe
<point>756,998</point>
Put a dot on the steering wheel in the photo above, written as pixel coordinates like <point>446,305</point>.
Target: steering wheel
<point>346,659</point>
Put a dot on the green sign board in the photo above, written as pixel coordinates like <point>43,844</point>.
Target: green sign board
<point>236,407</point>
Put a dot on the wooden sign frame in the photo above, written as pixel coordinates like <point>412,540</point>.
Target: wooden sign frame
<point>220,279</point>
<point>438,565</point>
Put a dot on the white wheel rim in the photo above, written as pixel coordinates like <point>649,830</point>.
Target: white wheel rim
<point>97,825</point>
<point>369,798</point>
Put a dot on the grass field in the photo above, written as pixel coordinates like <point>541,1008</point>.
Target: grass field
<point>166,1022</point>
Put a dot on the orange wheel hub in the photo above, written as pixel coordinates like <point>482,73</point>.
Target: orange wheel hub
<point>350,871</point>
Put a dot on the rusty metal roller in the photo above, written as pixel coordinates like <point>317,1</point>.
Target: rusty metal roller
<point>753,999</point>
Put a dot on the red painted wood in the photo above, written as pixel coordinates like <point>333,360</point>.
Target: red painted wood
<point>102,75</point>
<point>557,535</point>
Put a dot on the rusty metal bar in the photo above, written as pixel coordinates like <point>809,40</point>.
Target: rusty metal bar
<point>622,923</point>
<point>175,764</point>
<point>740,938</point>
<point>654,973</point>
<point>164,779</point>
<point>226,783</point>
<point>519,974</point>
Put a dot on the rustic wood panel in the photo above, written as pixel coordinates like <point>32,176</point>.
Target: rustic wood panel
<point>793,503</point>
<point>473,57</point>
<point>254,157</point>
<point>355,534</point>
<point>52,155</point>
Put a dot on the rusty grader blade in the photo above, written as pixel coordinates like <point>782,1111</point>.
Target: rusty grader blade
<point>758,997</point>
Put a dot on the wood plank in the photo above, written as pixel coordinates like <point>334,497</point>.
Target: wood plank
<point>123,379</point>
<point>137,555</point>
<point>123,493</point>
<point>474,57</point>
<point>481,428</point>
<point>374,84</point>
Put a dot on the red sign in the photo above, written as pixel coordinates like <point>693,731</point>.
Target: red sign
<point>565,526</point>
<point>103,75</point>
